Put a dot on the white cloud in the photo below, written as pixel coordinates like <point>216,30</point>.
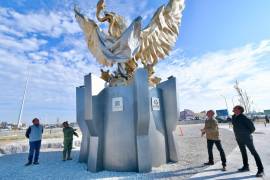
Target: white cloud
<point>55,70</point>
<point>51,87</point>
<point>203,79</point>
<point>6,30</point>
<point>51,24</point>
<point>20,45</point>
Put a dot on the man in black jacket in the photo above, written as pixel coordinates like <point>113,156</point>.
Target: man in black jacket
<point>243,129</point>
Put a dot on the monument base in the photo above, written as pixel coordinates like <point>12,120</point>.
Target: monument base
<point>128,128</point>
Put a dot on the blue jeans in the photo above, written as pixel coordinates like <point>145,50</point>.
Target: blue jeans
<point>34,148</point>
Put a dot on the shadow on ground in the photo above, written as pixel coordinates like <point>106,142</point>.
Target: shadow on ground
<point>192,155</point>
<point>52,167</point>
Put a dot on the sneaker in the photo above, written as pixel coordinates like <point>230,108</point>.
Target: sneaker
<point>28,164</point>
<point>69,159</point>
<point>209,164</point>
<point>224,168</point>
<point>260,174</point>
<point>243,169</point>
<point>36,163</point>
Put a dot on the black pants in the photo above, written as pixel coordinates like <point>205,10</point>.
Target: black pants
<point>248,141</point>
<point>210,144</point>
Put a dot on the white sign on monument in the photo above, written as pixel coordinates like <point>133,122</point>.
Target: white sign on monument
<point>155,104</point>
<point>117,104</point>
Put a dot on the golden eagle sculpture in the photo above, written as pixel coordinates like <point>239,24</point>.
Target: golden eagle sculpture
<point>126,45</point>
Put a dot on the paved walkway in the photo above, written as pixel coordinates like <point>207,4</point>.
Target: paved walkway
<point>234,160</point>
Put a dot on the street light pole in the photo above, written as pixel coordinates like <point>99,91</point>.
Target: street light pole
<point>19,123</point>
<point>225,101</point>
<point>233,100</point>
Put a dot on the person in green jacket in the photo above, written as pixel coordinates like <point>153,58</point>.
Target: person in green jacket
<point>68,140</point>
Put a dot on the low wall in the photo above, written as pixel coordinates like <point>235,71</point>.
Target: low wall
<point>23,146</point>
<point>191,122</point>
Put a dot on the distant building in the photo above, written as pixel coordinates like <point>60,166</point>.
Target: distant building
<point>222,113</point>
<point>267,112</point>
<point>6,125</point>
<point>200,115</point>
<point>187,115</point>
<point>3,125</point>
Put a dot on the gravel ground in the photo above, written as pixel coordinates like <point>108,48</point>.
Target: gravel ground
<point>192,148</point>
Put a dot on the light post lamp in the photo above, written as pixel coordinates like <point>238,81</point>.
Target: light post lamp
<point>19,123</point>
<point>233,99</point>
<point>225,99</point>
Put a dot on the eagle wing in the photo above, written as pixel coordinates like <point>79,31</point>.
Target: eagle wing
<point>91,29</point>
<point>107,49</point>
<point>161,34</point>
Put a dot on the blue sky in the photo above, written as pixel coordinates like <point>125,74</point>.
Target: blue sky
<point>220,42</point>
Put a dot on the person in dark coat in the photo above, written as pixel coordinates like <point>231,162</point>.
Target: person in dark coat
<point>34,134</point>
<point>243,128</point>
<point>68,140</point>
<point>266,119</point>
